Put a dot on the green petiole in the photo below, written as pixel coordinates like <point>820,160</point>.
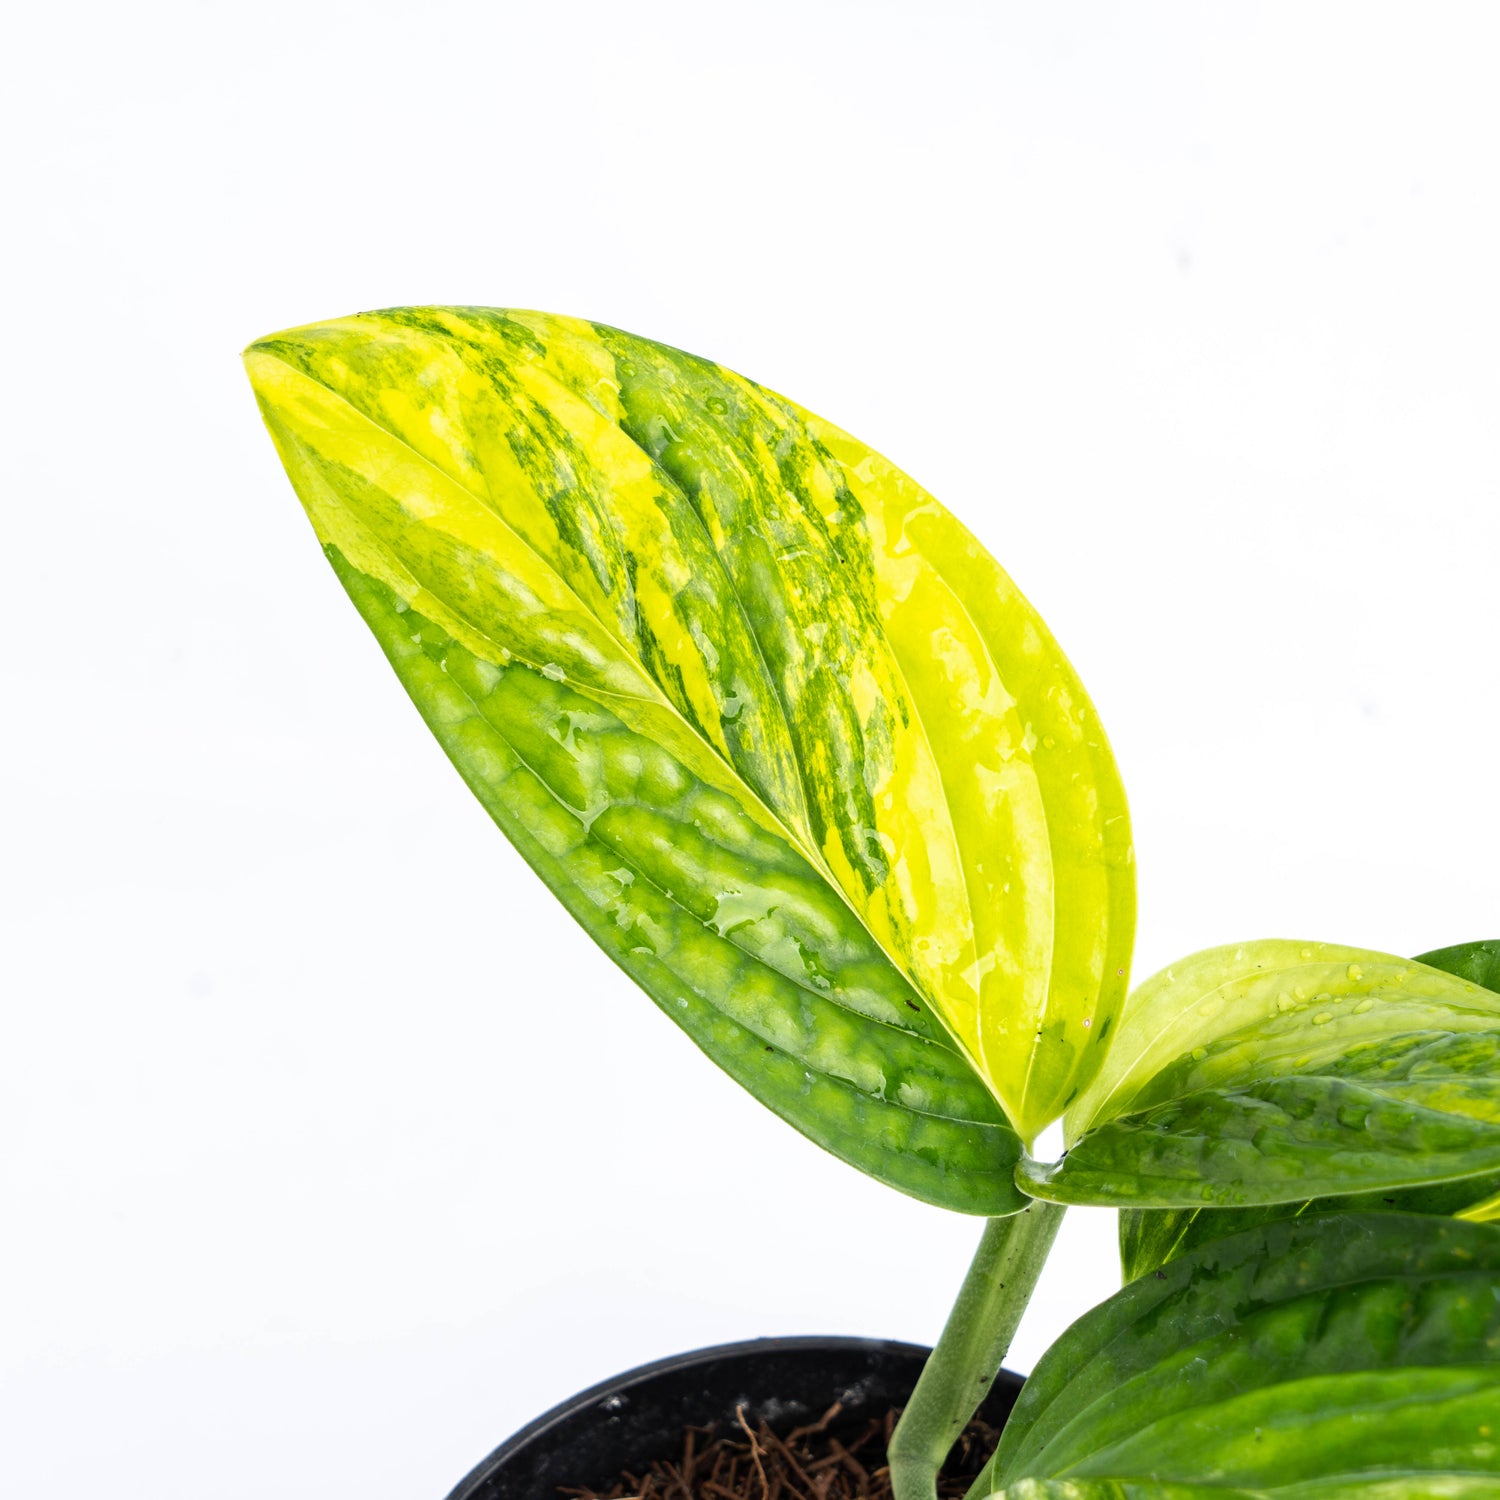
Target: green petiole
<point>972,1347</point>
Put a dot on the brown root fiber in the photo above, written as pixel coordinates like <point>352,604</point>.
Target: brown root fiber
<point>809,1463</point>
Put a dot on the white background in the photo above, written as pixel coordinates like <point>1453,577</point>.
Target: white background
<point>329,1151</point>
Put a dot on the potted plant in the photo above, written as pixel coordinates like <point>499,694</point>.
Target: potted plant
<point>797,754</point>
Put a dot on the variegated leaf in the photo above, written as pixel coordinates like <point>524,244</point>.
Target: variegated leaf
<point>1275,1072</point>
<point>1149,1237</point>
<point>772,725</point>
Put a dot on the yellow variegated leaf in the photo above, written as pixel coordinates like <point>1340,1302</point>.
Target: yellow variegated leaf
<point>1030,787</point>
<point>798,628</point>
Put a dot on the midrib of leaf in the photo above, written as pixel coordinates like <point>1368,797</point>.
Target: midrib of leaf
<point>785,417</point>
<point>691,514</point>
<point>464,338</point>
<point>604,695</point>
<point>805,845</point>
<point>627,652</point>
<point>586,824</point>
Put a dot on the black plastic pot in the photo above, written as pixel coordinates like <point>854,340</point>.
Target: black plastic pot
<point>638,1417</point>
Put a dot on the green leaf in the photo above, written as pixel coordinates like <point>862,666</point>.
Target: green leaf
<point>1392,1487</point>
<point>773,727</point>
<point>1479,963</point>
<point>1114,1489</point>
<point>1395,1487</point>
<point>1277,1072</point>
<point>1291,1360</point>
<point>1149,1236</point>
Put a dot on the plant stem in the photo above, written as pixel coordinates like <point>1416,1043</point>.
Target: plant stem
<point>973,1345</point>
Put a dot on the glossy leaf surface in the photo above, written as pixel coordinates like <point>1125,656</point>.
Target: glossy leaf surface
<point>1277,1072</point>
<point>1151,1236</point>
<point>1294,1359</point>
<point>1479,963</point>
<point>774,728</point>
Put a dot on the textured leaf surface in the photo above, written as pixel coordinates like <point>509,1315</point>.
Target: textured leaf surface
<point>1031,787</point>
<point>1151,1236</point>
<point>768,721</point>
<point>1277,1072</point>
<point>1293,1359</point>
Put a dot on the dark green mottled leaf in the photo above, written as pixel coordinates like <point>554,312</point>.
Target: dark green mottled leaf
<point>1479,963</point>
<point>1149,1237</point>
<point>1292,1359</point>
